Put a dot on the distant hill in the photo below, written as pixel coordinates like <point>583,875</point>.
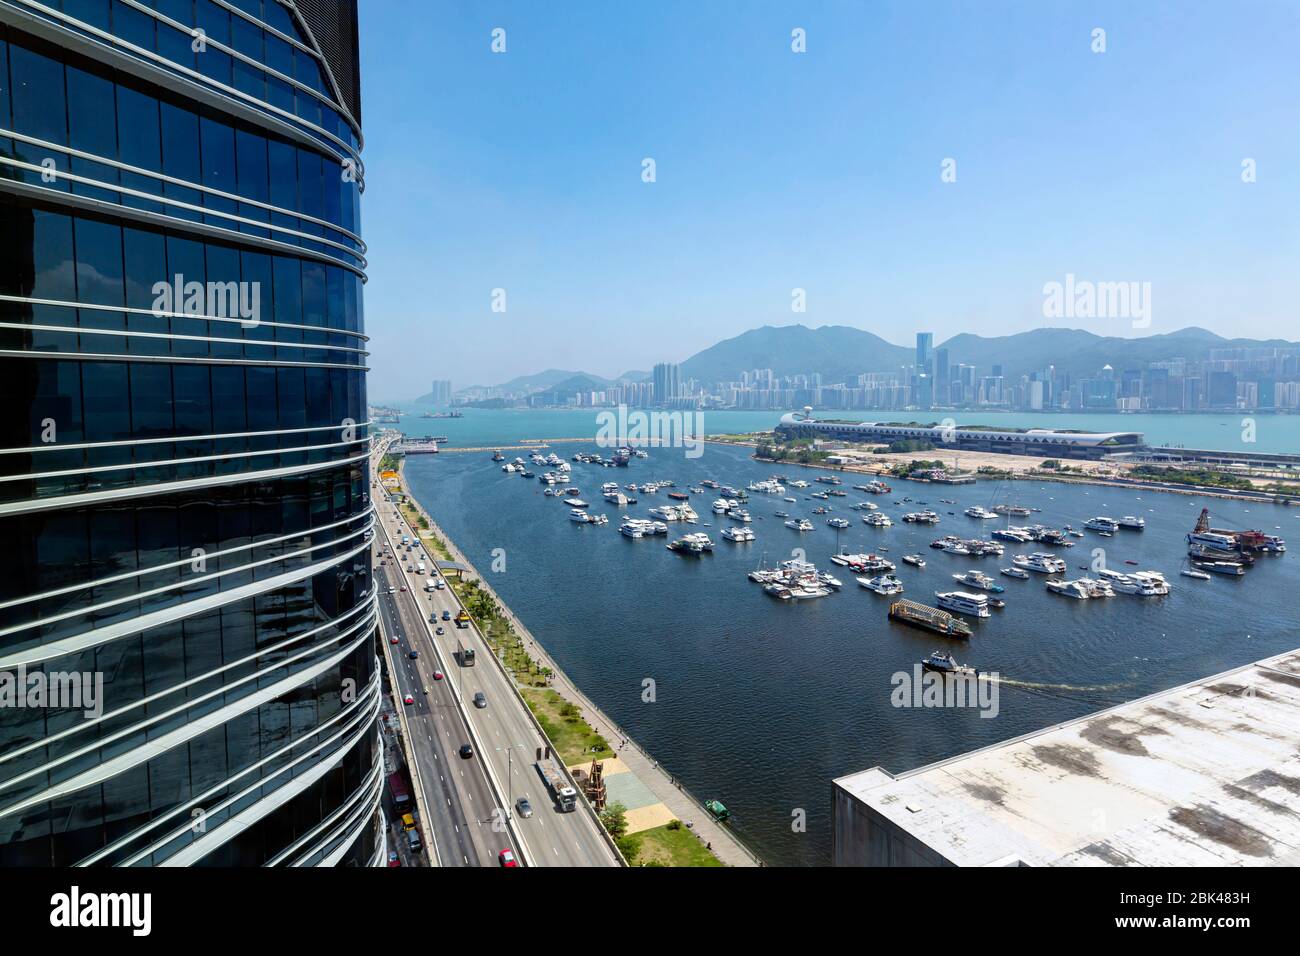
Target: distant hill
<point>1079,352</point>
<point>838,352</point>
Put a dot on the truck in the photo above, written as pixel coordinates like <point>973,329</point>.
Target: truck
<point>462,619</point>
<point>466,654</point>
<point>565,797</point>
<point>401,796</point>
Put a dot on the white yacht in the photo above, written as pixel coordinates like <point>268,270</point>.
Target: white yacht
<point>1019,573</point>
<point>963,602</point>
<point>1071,589</point>
<point>1102,523</point>
<point>636,527</point>
<point>828,580</point>
<point>738,534</point>
<point>838,522</point>
<point>1140,583</point>
<point>1041,562</point>
<point>921,517</point>
<point>798,483</point>
<point>1018,535</point>
<point>575,502</point>
<point>1133,523</point>
<point>864,506</point>
<point>983,514</point>
<point>695,543</point>
<point>877,520</point>
<point>799,524</point>
<point>885,584</point>
<point>577,514</point>
<point>978,579</point>
<point>722,506</point>
<point>740,514</point>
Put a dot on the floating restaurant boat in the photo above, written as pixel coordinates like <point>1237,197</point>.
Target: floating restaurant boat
<point>963,602</point>
<point>929,618</point>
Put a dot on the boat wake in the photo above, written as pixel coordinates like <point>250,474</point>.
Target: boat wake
<point>1091,694</point>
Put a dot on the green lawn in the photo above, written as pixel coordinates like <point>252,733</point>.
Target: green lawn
<point>667,847</point>
<point>572,736</point>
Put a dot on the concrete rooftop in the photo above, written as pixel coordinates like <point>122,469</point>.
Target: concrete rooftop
<point>1206,774</point>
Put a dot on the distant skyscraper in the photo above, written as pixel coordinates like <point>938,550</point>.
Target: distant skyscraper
<point>440,394</point>
<point>185,392</point>
<point>924,352</point>
<point>668,383</point>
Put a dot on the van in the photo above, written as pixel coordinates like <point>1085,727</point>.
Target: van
<point>413,841</point>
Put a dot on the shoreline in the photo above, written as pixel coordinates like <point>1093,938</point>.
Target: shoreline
<point>719,839</point>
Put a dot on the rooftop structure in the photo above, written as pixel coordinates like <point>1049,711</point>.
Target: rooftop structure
<point>1206,774</point>
<point>1016,441</point>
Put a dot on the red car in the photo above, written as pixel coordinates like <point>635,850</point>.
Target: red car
<point>437,675</point>
<point>403,587</point>
<point>409,699</point>
<point>394,859</point>
<point>392,640</point>
<point>507,858</point>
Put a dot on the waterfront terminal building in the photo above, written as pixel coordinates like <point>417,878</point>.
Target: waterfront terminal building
<point>975,438</point>
<point>184,498</point>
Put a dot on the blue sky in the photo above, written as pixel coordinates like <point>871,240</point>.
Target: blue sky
<point>819,171</point>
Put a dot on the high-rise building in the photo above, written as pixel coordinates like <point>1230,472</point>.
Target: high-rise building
<point>440,393</point>
<point>667,382</point>
<point>924,352</point>
<point>186,516</point>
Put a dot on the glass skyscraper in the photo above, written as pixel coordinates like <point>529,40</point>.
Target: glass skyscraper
<point>185,513</point>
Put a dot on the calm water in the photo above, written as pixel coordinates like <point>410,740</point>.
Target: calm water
<point>1272,433</point>
<point>761,703</point>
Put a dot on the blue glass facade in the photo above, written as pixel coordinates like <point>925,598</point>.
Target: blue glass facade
<point>184,504</point>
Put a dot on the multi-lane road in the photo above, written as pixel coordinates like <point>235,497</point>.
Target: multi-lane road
<point>469,797</point>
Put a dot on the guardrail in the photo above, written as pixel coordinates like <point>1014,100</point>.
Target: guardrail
<point>509,678</point>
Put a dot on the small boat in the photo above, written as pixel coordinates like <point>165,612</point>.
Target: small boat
<point>717,810</point>
<point>1020,573</point>
<point>1193,573</point>
<point>940,663</point>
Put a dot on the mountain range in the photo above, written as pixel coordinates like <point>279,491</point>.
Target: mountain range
<point>839,353</point>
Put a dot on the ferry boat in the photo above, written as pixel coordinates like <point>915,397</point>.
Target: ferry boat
<point>1102,523</point>
<point>838,522</point>
<point>929,618</point>
<point>1019,573</point>
<point>941,663</point>
<point>983,514</point>
<point>963,602</point>
<point>738,534</point>
<point>915,560</point>
<point>799,524</point>
<point>885,584</point>
<point>877,520</point>
<point>978,579</point>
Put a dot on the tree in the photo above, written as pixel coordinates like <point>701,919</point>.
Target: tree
<point>614,818</point>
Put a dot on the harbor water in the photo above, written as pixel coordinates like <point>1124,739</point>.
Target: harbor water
<point>760,703</point>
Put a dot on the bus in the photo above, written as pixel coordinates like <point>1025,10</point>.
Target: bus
<point>401,796</point>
